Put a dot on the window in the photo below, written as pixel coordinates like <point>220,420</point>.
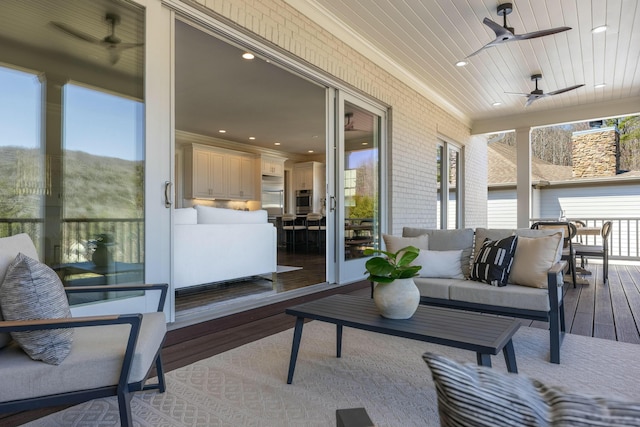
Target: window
<point>449,214</point>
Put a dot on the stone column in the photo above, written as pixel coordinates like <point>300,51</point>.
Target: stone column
<point>595,152</point>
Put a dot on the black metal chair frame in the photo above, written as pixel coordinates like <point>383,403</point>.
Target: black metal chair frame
<point>602,251</point>
<point>123,390</point>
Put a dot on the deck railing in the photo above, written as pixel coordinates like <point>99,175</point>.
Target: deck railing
<point>79,236</point>
<point>624,240</point>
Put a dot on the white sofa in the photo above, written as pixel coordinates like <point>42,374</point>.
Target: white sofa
<point>215,245</point>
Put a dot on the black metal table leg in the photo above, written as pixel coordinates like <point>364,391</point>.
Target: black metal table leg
<point>338,340</point>
<point>510,357</point>
<point>483,359</point>
<point>295,346</point>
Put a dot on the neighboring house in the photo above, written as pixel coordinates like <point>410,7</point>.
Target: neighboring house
<point>593,187</point>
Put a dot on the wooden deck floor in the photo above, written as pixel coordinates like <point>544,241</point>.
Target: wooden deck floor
<point>606,311</point>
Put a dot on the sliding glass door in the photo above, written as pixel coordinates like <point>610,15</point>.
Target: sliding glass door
<point>359,176</point>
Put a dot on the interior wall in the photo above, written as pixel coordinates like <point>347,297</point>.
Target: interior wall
<point>416,121</point>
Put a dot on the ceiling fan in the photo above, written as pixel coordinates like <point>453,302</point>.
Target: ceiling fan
<point>111,42</point>
<point>505,33</point>
<point>538,93</point>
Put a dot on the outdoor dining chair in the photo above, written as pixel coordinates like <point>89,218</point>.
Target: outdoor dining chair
<point>583,250</point>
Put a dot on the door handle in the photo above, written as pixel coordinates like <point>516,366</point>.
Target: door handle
<point>167,194</point>
<point>332,204</point>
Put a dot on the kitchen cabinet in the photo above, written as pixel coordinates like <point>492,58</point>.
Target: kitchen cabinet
<point>216,173</point>
<point>272,166</point>
<point>310,176</point>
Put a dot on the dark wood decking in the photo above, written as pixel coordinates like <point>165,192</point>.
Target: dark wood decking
<point>606,311</point>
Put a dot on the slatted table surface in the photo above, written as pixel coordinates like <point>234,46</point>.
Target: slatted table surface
<point>482,334</point>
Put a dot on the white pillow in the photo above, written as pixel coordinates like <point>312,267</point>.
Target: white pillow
<point>395,243</point>
<point>533,258</point>
<point>440,264</point>
<point>211,215</point>
<point>185,216</point>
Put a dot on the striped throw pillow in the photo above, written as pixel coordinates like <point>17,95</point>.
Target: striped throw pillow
<point>31,290</point>
<point>492,263</point>
<point>470,395</point>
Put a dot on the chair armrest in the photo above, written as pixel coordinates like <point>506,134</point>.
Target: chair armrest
<point>162,287</point>
<point>135,320</point>
<point>554,272</point>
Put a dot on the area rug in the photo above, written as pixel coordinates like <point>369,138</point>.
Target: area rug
<point>385,375</point>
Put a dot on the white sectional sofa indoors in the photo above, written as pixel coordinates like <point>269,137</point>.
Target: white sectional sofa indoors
<point>215,245</point>
<point>534,293</point>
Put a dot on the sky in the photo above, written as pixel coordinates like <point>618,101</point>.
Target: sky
<point>94,122</point>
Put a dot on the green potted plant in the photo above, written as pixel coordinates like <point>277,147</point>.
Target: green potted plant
<point>395,294</point>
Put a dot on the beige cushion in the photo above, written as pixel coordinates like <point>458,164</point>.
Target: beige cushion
<point>9,248</point>
<point>528,232</point>
<point>522,297</point>
<point>447,240</point>
<point>433,287</point>
<point>94,361</point>
<point>533,258</point>
<point>31,290</point>
<point>395,243</point>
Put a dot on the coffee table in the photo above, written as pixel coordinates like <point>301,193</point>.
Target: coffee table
<point>485,335</point>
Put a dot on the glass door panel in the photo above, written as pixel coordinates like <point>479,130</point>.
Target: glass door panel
<point>358,213</point>
<point>72,166</point>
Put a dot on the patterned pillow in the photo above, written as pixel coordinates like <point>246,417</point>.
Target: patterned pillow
<point>493,261</point>
<point>470,395</point>
<point>31,290</point>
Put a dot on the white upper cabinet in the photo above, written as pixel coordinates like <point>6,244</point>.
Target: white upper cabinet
<point>215,173</point>
<point>273,166</point>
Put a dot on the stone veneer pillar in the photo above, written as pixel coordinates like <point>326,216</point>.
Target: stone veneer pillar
<point>595,152</point>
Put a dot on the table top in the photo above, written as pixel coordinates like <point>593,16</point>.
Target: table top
<point>455,328</point>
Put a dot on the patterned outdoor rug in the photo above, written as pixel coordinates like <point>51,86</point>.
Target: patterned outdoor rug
<point>386,375</point>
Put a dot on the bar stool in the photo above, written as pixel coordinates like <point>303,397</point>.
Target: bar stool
<point>315,225</point>
<point>290,227</point>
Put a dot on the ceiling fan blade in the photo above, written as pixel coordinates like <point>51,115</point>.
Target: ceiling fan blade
<point>566,89</point>
<point>124,46</point>
<point>75,33</point>
<point>530,101</point>
<point>114,56</point>
<point>502,33</point>
<point>541,33</point>
<point>518,93</point>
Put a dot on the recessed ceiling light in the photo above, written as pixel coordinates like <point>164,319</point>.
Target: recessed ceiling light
<point>310,151</point>
<point>252,138</point>
<point>495,104</point>
<point>276,143</point>
<point>599,85</point>
<point>365,143</point>
<point>222,131</point>
<point>248,55</point>
<point>600,29</point>
<point>461,63</point>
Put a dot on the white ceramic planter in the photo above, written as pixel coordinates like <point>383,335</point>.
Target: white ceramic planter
<point>398,299</point>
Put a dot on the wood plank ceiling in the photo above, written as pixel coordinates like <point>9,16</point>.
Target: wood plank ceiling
<point>426,38</point>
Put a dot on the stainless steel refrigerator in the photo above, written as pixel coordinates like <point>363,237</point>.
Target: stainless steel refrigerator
<point>273,195</point>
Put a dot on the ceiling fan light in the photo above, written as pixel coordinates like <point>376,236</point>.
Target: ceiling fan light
<point>248,55</point>
<point>461,63</point>
<point>600,29</point>
<point>497,103</point>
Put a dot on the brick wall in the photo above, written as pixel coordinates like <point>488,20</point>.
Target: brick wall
<point>416,122</point>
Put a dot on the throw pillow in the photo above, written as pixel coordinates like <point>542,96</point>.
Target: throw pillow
<point>533,258</point>
<point>493,261</point>
<point>395,243</point>
<point>470,395</point>
<point>9,247</point>
<point>440,264</point>
<point>31,290</point>
<point>447,240</point>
